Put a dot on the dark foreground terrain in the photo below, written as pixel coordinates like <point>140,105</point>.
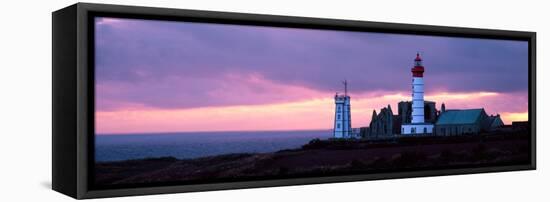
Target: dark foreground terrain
<point>323,158</point>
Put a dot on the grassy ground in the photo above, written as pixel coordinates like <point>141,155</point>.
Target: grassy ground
<point>324,158</point>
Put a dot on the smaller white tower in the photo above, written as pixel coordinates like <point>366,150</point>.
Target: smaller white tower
<point>342,115</point>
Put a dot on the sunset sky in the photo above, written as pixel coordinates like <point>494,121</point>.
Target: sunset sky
<point>161,76</point>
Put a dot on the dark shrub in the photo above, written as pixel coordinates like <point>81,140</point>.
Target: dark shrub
<point>314,144</point>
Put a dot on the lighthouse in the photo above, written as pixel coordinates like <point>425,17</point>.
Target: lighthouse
<point>417,91</point>
<point>417,125</point>
<point>342,115</point>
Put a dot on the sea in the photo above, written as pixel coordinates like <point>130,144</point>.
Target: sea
<point>188,145</point>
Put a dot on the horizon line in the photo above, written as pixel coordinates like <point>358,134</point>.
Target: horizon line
<point>210,131</point>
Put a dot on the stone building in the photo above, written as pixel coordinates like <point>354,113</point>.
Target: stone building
<point>385,123</point>
<point>382,124</point>
<point>520,125</point>
<point>466,121</point>
<point>404,111</point>
<point>493,122</point>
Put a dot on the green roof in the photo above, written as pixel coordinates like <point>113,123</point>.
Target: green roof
<point>466,116</point>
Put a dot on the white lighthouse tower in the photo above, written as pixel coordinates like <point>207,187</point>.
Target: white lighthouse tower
<point>342,115</point>
<point>417,125</point>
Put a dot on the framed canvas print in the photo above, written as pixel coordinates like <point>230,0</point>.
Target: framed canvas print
<point>154,100</point>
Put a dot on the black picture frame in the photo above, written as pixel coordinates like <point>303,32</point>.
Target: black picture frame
<point>73,92</point>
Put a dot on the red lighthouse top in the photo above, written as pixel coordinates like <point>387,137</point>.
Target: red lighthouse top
<point>418,57</point>
<point>418,69</point>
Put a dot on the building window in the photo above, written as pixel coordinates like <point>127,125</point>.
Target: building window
<point>338,116</point>
<point>425,130</point>
<point>338,125</point>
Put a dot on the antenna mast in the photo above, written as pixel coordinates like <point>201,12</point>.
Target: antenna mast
<point>345,87</point>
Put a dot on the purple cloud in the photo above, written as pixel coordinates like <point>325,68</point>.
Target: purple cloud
<point>177,65</point>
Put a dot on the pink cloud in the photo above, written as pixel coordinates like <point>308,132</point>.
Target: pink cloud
<point>312,113</point>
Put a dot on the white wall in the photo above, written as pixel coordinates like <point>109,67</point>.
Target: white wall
<point>25,104</point>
